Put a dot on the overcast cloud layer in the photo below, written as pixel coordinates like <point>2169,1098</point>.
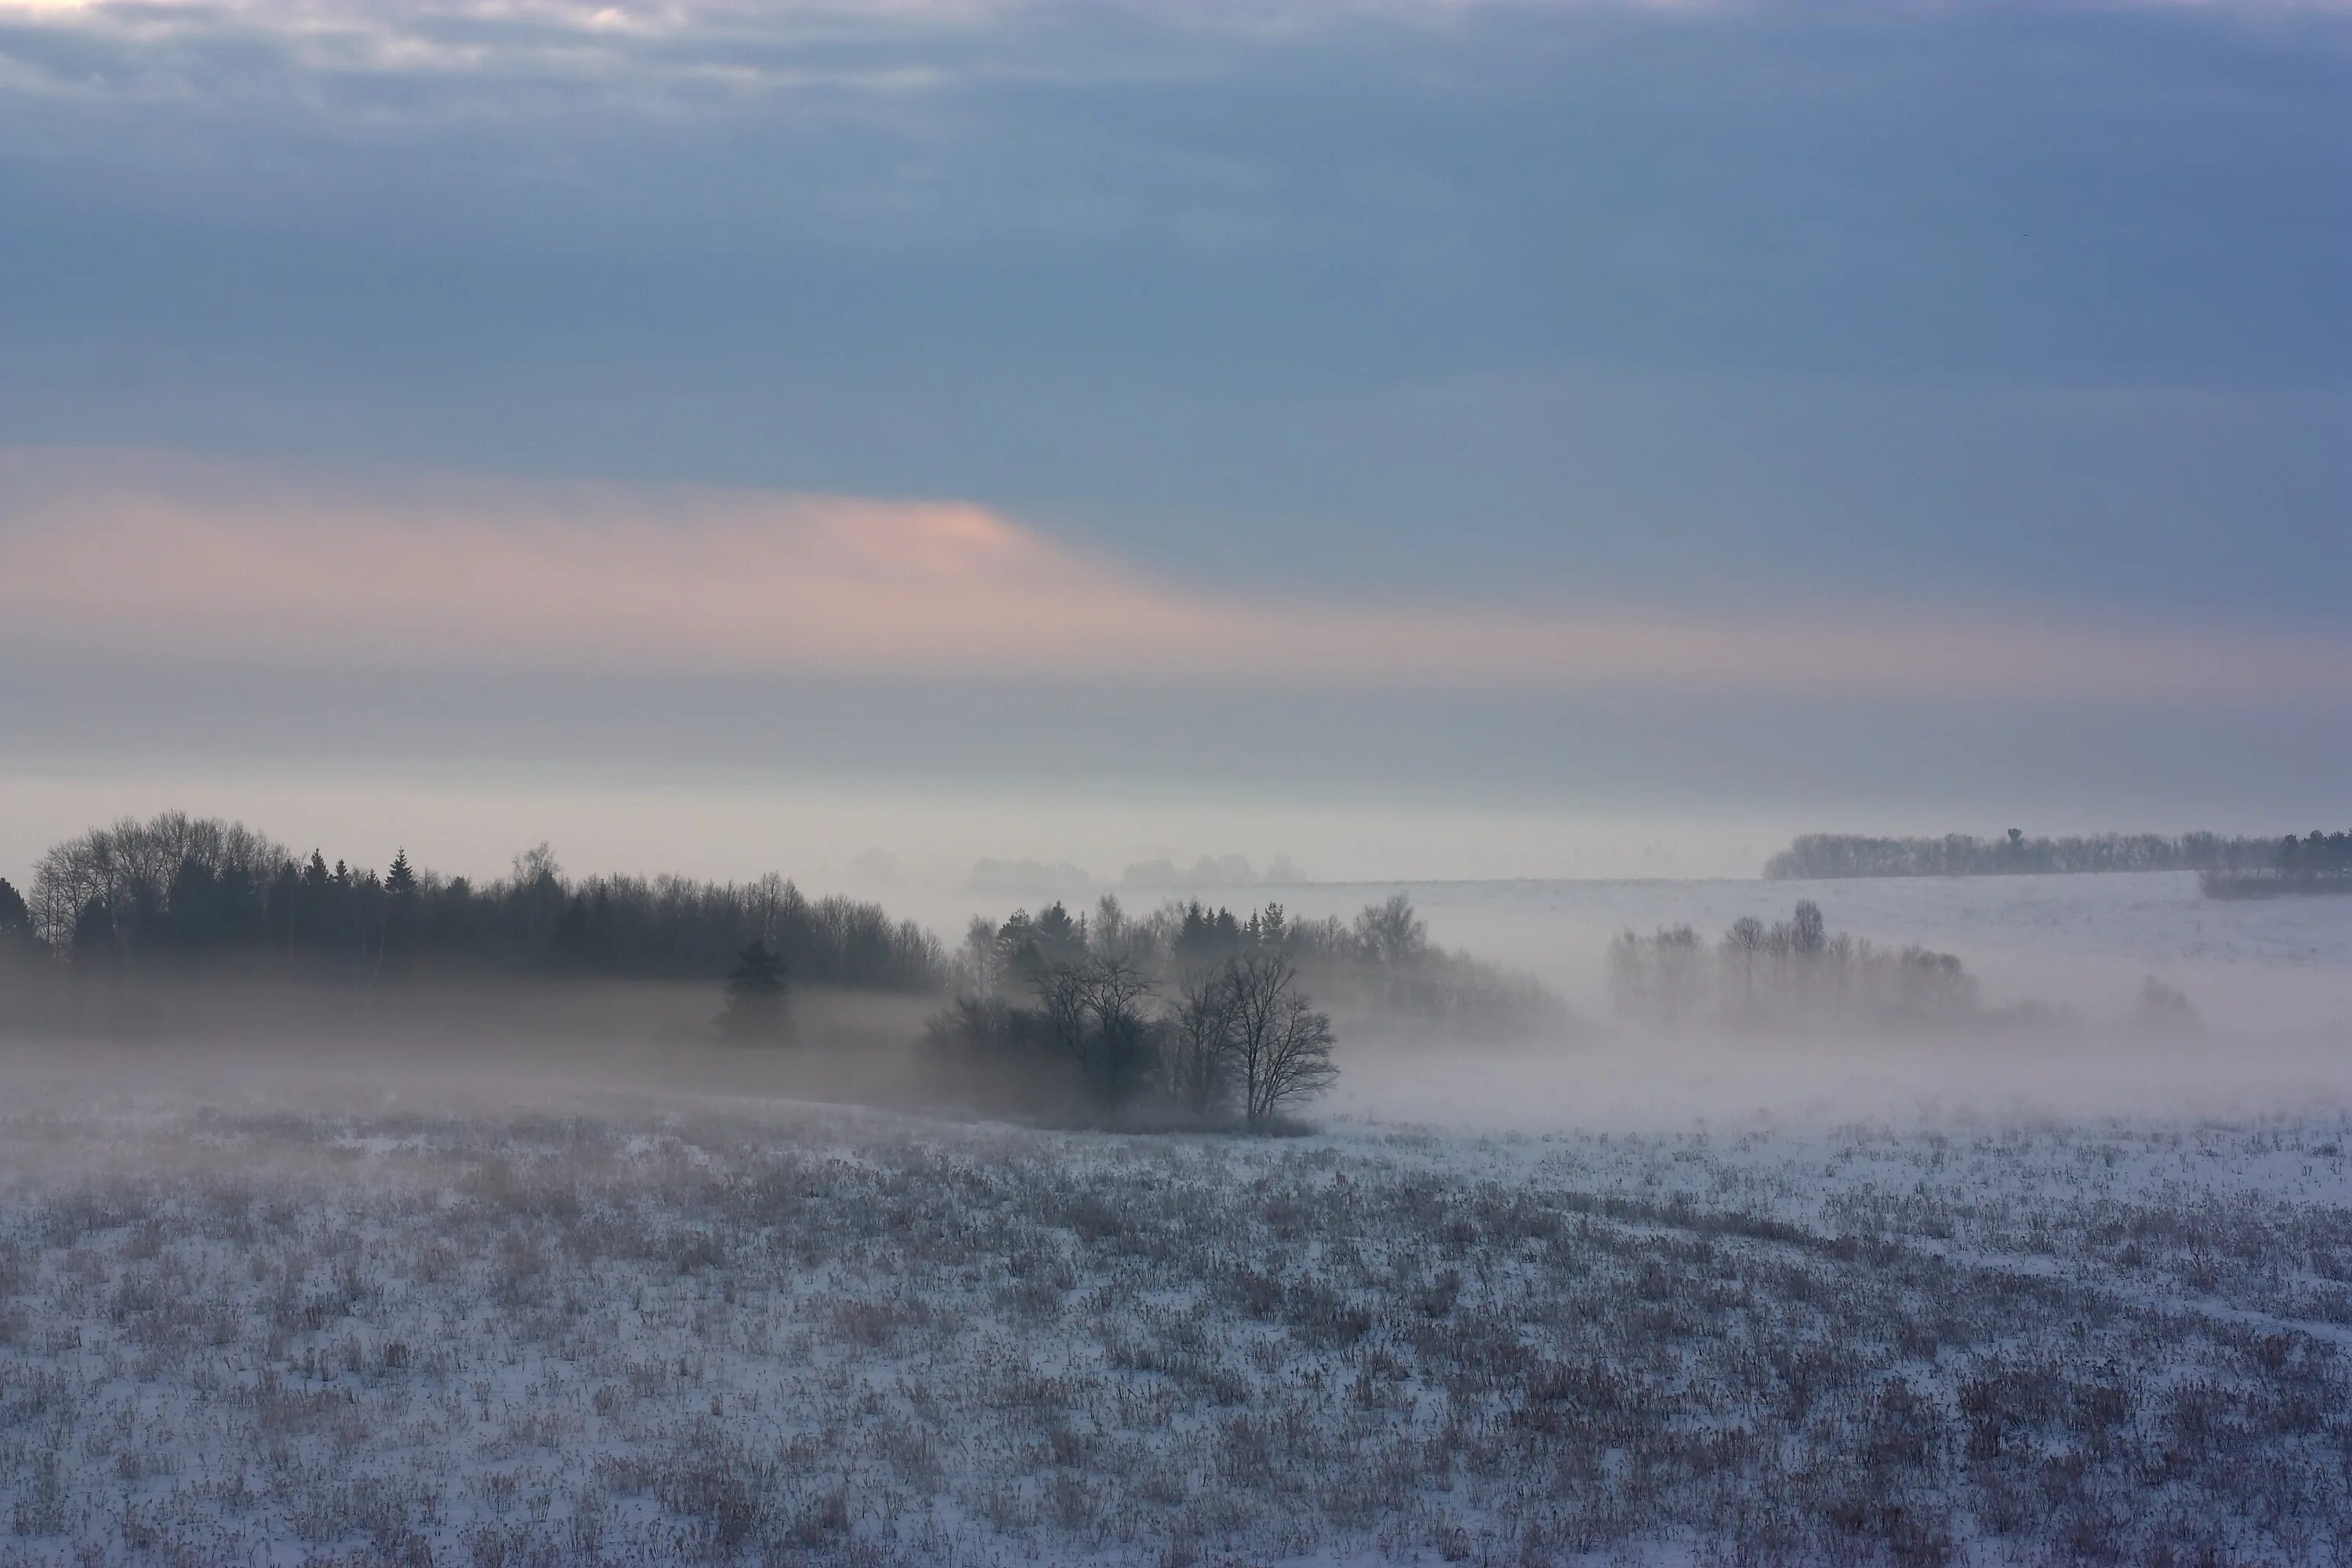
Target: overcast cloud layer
<point>1950,400</point>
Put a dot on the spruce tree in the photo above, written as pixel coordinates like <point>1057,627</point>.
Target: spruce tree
<point>756,996</point>
<point>15,919</point>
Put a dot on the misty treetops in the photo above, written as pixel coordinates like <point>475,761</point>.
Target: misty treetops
<point>193,896</point>
<point>179,894</point>
<point>1793,974</point>
<point>1191,1012</point>
<point>1187,1013</point>
<point>1196,1015</point>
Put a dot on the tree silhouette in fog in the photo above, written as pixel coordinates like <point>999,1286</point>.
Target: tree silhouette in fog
<point>1791,975</point>
<point>1096,1011</point>
<point>15,919</point>
<point>2316,863</point>
<point>179,894</point>
<point>1198,1014</point>
<point>1280,1046</point>
<point>757,995</point>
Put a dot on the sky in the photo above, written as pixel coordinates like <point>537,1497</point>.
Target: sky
<point>1423,437</point>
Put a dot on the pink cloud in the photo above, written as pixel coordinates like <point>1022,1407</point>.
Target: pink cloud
<point>142,553</point>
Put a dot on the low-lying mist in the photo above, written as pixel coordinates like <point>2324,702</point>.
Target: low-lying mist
<point>196,951</point>
<point>511,1048</point>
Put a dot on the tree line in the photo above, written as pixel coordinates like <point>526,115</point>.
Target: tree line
<point>2316,863</point>
<point>2316,854</point>
<point>1830,855</point>
<point>1188,1012</point>
<point>200,896</point>
<point>1789,975</point>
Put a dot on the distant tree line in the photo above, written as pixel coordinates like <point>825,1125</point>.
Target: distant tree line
<point>2316,863</point>
<point>2316,854</point>
<point>1192,1012</point>
<point>1828,856</point>
<point>195,896</point>
<point>1789,975</point>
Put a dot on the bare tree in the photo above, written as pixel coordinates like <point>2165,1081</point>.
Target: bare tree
<point>764,902</point>
<point>1094,1013</point>
<point>1200,1041</point>
<point>1661,976</point>
<point>69,876</point>
<point>1743,949</point>
<point>1113,933</point>
<point>1281,1049</point>
<point>980,962</point>
<point>1682,972</point>
<point>1124,1037</point>
<point>1062,1002</point>
<point>1392,935</point>
<point>1298,1064</point>
<point>1630,974</point>
<point>537,865</point>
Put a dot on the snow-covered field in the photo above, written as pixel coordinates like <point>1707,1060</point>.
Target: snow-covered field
<point>1991,1301</point>
<point>322,1321</point>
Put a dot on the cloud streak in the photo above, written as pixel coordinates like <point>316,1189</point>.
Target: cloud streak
<point>701,54</point>
<point>168,558</point>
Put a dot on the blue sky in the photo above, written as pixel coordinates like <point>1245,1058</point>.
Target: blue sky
<point>2001,316</point>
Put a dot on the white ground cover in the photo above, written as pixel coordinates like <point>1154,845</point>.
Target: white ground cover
<point>269,1320</point>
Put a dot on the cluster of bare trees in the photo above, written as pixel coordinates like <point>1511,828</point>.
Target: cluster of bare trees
<point>1380,964</point>
<point>1793,974</point>
<point>1096,1015</point>
<point>1237,1040</point>
<point>1199,1011</point>
<point>1243,1036</point>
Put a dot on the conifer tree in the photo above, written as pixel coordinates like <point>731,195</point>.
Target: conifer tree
<point>756,996</point>
<point>16,918</point>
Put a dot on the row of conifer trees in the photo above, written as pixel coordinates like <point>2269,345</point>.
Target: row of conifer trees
<point>192,896</point>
